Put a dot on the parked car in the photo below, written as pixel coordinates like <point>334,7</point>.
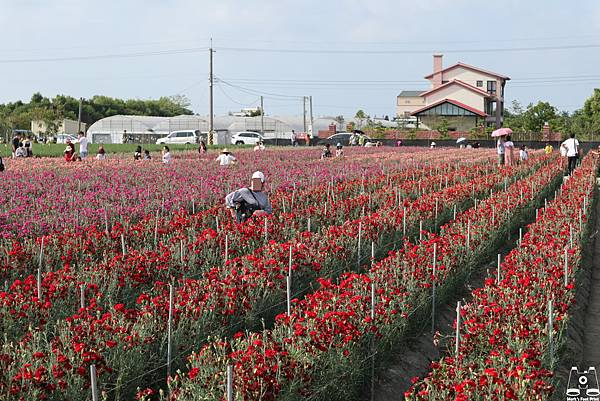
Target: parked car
<point>63,138</point>
<point>340,137</point>
<point>246,138</point>
<point>184,137</point>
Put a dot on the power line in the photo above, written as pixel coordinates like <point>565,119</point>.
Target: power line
<point>233,100</point>
<point>408,51</point>
<point>256,92</point>
<point>294,51</point>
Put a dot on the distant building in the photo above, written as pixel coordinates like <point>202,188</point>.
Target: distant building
<point>147,129</point>
<point>464,95</point>
<point>66,126</point>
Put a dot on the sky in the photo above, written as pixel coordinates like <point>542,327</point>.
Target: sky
<point>346,54</point>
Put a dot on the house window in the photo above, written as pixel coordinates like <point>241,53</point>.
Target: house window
<point>480,84</point>
<point>407,101</point>
<point>491,87</point>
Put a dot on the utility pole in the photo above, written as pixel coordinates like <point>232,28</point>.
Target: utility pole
<point>311,116</point>
<point>210,96</point>
<point>79,118</point>
<point>304,113</point>
<point>262,116</point>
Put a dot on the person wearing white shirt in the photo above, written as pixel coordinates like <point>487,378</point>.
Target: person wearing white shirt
<point>523,155</point>
<point>166,155</point>
<point>571,147</point>
<point>83,145</point>
<point>226,158</point>
<point>500,149</point>
<point>259,147</point>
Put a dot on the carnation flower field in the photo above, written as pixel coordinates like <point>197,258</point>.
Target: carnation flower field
<point>131,280</point>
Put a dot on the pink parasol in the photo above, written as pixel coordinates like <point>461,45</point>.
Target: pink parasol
<point>501,132</point>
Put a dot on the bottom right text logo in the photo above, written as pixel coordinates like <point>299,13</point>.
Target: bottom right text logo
<point>583,385</point>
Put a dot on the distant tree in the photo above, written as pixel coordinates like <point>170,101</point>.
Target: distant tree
<point>361,116</point>
<point>536,115</point>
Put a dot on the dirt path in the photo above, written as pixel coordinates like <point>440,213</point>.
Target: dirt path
<point>413,358</point>
<point>582,347</point>
<point>591,332</point>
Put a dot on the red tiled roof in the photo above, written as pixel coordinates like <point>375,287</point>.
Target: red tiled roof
<point>469,67</point>
<point>461,83</point>
<point>454,102</point>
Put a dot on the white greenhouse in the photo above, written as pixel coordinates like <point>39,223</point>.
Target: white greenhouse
<point>144,129</point>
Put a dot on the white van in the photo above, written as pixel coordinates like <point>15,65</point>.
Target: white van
<point>184,137</point>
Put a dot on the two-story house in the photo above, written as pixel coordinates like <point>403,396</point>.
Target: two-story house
<point>464,95</point>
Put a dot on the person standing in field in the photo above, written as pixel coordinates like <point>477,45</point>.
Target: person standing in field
<point>253,201</point>
<point>15,145</point>
<point>361,139</point>
<point>548,149</point>
<point>294,138</point>
<point>339,150</point>
<point>138,153</point>
<point>509,154</point>
<point>572,149</point>
<point>523,154</point>
<point>201,149</point>
<point>166,155</point>
<point>83,145</point>
<point>226,158</point>
<point>500,150</point>
<point>147,155</point>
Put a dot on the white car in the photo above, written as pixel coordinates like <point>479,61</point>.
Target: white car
<point>246,138</point>
<point>184,137</point>
<point>63,138</point>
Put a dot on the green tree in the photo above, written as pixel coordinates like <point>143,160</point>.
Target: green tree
<point>362,117</point>
<point>536,115</point>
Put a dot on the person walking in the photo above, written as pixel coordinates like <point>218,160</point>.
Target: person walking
<point>138,153</point>
<point>101,155</point>
<point>166,155</point>
<point>83,145</point>
<point>226,158</point>
<point>294,138</point>
<point>509,154</point>
<point>500,150</point>
<point>253,201</point>
<point>572,149</point>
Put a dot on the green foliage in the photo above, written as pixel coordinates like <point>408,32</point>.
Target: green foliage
<point>56,150</point>
<point>18,115</point>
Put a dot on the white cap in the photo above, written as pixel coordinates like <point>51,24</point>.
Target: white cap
<point>258,175</point>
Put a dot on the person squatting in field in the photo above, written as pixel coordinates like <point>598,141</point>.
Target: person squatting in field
<point>253,201</point>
